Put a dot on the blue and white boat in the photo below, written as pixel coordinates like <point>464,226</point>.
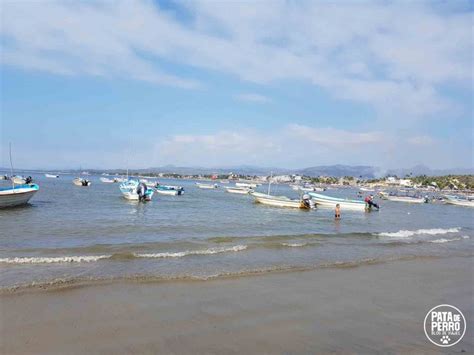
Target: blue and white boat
<point>331,202</point>
<point>136,191</point>
<point>17,195</point>
<point>169,190</point>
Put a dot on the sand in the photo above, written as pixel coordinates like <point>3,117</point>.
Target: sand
<point>368,309</point>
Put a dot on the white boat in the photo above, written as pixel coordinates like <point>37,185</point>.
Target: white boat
<point>169,190</point>
<point>224,181</point>
<point>130,190</point>
<point>51,176</point>
<point>331,202</point>
<point>459,202</point>
<point>17,195</point>
<point>249,185</point>
<point>207,186</point>
<point>366,189</point>
<point>19,180</point>
<point>278,201</point>
<point>107,180</point>
<point>406,199</point>
<point>81,182</point>
<point>238,190</point>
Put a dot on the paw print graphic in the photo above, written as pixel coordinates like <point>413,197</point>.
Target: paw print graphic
<point>445,339</point>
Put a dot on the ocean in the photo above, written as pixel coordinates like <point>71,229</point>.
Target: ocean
<point>69,234</point>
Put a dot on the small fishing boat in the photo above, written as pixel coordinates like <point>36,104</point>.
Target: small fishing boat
<point>279,201</point>
<point>331,202</point>
<point>4,177</point>
<point>366,189</point>
<point>454,200</point>
<point>207,186</point>
<point>20,180</point>
<point>51,176</point>
<point>238,190</point>
<point>107,180</point>
<point>406,199</point>
<point>17,195</point>
<point>136,191</point>
<point>249,185</point>
<point>81,182</point>
<point>169,190</point>
<point>224,181</point>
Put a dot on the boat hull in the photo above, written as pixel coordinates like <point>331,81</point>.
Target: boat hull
<point>18,196</point>
<point>405,199</point>
<point>461,203</point>
<point>277,201</point>
<point>238,190</point>
<point>331,202</point>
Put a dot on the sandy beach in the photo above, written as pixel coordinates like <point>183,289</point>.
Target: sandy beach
<point>376,308</point>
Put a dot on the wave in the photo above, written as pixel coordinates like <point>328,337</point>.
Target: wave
<point>62,283</point>
<point>192,252</point>
<point>408,233</point>
<point>118,256</point>
<point>294,244</point>
<point>53,260</point>
<point>443,240</point>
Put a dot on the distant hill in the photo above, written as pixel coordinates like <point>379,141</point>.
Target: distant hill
<point>339,170</point>
<point>424,170</point>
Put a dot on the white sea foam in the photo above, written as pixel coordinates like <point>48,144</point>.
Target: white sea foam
<point>52,260</point>
<point>294,244</point>
<point>408,234</point>
<point>443,240</point>
<point>192,252</point>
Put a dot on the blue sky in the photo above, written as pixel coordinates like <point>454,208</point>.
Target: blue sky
<point>276,83</point>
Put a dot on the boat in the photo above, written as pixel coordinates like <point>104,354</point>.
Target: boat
<point>406,199</point>
<point>17,195</point>
<point>169,190</point>
<point>130,190</point>
<point>279,201</point>
<point>81,182</point>
<point>224,181</point>
<point>4,177</point>
<point>207,186</point>
<point>366,189</point>
<point>51,176</point>
<point>331,202</point>
<point>454,200</point>
<point>249,185</point>
<point>238,190</point>
<point>107,180</point>
<point>20,180</point>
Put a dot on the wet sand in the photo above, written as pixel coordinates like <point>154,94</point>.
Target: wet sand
<point>368,309</point>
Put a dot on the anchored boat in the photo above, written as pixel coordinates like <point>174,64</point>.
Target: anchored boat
<point>134,190</point>
<point>51,176</point>
<point>238,190</point>
<point>279,201</point>
<point>454,200</point>
<point>81,182</point>
<point>207,186</point>
<point>406,199</point>
<point>331,202</point>
<point>17,195</point>
<point>169,190</point>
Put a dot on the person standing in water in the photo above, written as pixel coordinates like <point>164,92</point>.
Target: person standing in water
<point>337,212</point>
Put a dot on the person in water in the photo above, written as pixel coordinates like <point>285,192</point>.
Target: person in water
<point>337,212</point>
<point>369,200</point>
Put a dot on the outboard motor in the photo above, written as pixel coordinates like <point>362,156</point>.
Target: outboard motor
<point>306,199</point>
<point>28,180</point>
<point>141,191</point>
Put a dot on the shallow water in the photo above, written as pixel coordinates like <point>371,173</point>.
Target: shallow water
<point>72,233</point>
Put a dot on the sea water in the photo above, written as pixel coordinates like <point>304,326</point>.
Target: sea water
<point>70,234</point>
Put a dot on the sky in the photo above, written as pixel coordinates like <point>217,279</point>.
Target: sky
<point>293,84</point>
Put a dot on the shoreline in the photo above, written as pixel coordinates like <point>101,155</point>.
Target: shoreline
<point>67,284</point>
<point>372,308</point>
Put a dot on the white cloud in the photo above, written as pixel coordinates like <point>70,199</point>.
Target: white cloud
<point>392,56</point>
<point>300,146</point>
<point>254,98</point>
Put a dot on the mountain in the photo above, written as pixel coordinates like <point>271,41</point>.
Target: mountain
<point>364,171</point>
<point>424,170</point>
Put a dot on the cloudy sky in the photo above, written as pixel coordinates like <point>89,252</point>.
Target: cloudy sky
<point>207,83</point>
